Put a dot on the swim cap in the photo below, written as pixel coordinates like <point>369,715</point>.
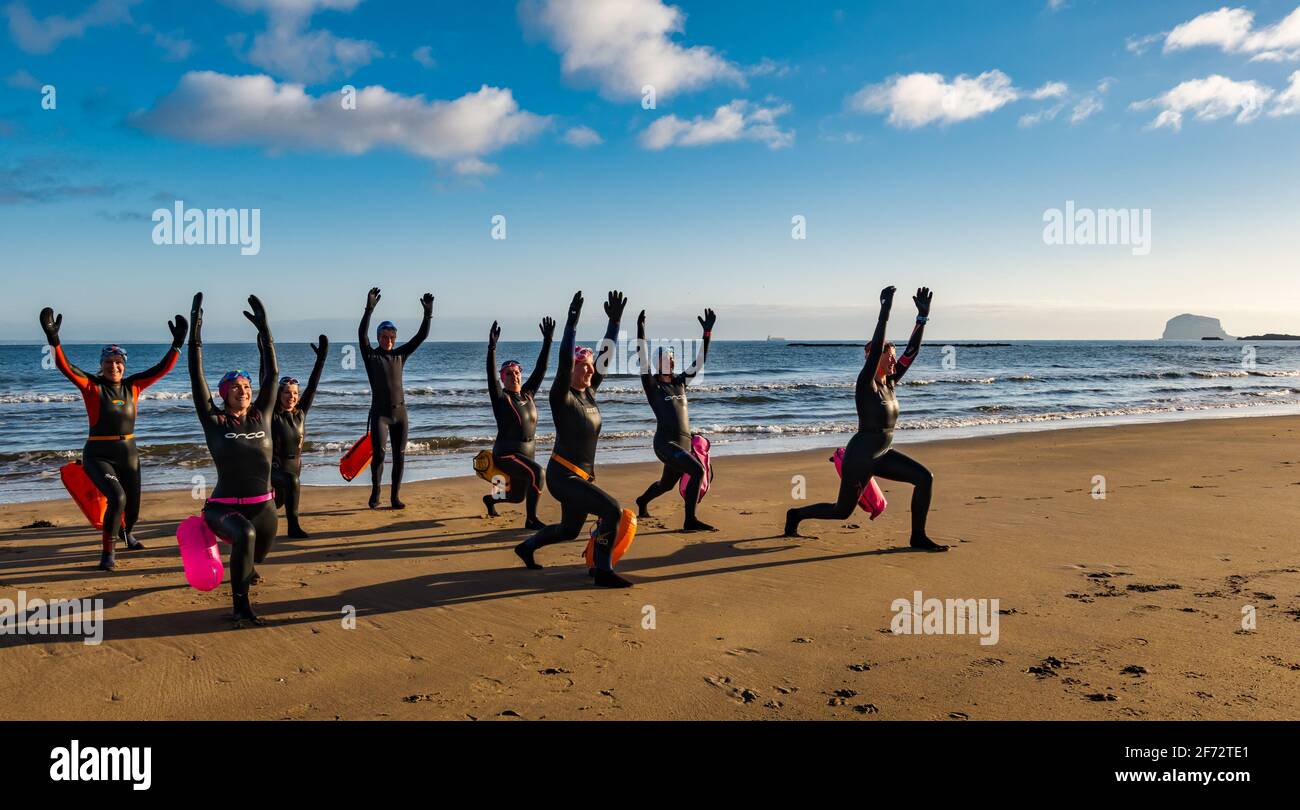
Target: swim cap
<point>659,357</point>
<point>581,354</point>
<point>385,325</point>
<point>229,379</point>
<point>110,350</point>
<point>507,364</point>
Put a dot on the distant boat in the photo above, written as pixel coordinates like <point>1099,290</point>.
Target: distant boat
<point>1211,338</point>
<point>772,339</point>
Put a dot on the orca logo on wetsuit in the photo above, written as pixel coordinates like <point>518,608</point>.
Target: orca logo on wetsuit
<point>261,434</point>
<point>118,402</point>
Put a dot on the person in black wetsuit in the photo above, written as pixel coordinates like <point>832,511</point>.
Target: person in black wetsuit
<point>110,457</point>
<point>516,417</point>
<point>870,450</point>
<point>384,365</point>
<point>288,431</point>
<point>666,392</point>
<point>241,509</point>
<point>571,471</point>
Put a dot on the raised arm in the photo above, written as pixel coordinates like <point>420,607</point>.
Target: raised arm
<point>564,367</point>
<point>411,345</point>
<point>922,299</point>
<point>643,355</point>
<point>50,324</point>
<point>706,323</point>
<point>614,309</point>
<point>877,347</point>
<point>493,378</point>
<point>534,381</point>
<point>163,367</point>
<point>363,331</point>
<point>269,386</point>
<point>198,383</point>
<point>322,349</point>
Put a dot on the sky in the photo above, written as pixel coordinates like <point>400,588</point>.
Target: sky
<point>916,143</point>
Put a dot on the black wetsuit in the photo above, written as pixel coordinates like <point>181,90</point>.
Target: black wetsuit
<point>672,441</point>
<point>870,452</point>
<point>516,417</point>
<point>110,458</point>
<point>288,432</point>
<point>241,451</point>
<point>577,429</point>
<point>387,403</point>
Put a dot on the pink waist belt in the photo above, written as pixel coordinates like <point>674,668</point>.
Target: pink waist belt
<point>242,501</point>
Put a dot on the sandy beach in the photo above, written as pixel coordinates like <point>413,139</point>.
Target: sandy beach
<point>1128,606</point>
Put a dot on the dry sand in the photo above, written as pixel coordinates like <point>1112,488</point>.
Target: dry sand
<point>1139,597</point>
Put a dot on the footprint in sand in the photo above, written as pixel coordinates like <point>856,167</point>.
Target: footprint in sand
<point>738,694</point>
<point>740,651</point>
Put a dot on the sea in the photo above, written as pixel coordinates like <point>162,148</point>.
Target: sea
<point>751,397</point>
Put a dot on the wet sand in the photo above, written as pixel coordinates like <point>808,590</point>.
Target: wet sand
<point>1129,606</point>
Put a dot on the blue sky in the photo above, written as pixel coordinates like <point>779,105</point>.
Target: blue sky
<point>922,142</point>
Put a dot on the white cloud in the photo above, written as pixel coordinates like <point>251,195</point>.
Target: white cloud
<point>474,167</point>
<point>44,35</point>
<point>1091,104</point>
<point>739,120</point>
<point>290,48</point>
<point>1208,99</point>
<point>1288,101</point>
<point>1055,5</point>
<point>424,55</point>
<point>1139,45</point>
<point>619,46</point>
<point>21,79</point>
<point>1046,114</point>
<point>582,137</point>
<point>214,108</point>
<point>918,99</point>
<point>1233,30</point>
<point>1050,90</point>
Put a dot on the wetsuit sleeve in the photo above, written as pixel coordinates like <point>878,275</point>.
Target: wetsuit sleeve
<point>700,359</point>
<point>363,333</point>
<point>269,388</point>
<point>607,346</point>
<point>414,343</point>
<point>564,368</point>
<point>308,396</point>
<point>910,353</point>
<point>494,384</point>
<point>148,377</point>
<point>78,377</point>
<point>200,393</point>
<point>868,373</point>
<point>539,369</point>
<point>643,360</point>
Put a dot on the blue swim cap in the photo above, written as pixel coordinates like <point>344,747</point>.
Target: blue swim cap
<point>383,326</point>
<point>110,350</point>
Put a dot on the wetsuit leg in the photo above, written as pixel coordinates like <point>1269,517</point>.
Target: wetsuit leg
<point>665,483</point>
<point>129,475</point>
<point>578,498</point>
<point>104,475</point>
<point>525,483</point>
<point>859,463</point>
<point>250,530</point>
<point>397,432</point>
<point>288,491</point>
<point>896,466</point>
<point>378,439</point>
